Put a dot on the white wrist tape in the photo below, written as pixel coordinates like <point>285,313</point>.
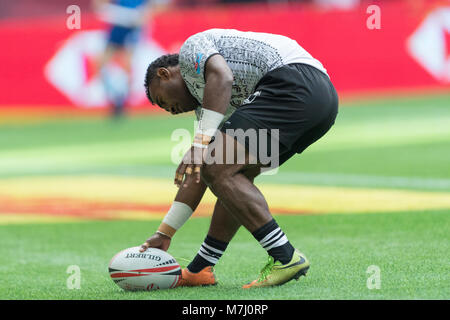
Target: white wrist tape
<point>178,214</point>
<point>209,122</point>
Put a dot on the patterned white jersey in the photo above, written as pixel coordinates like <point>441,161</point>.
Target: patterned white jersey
<point>250,55</point>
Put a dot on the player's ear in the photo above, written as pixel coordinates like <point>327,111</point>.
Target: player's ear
<point>163,73</point>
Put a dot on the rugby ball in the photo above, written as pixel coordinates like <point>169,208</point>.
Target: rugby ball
<point>149,270</point>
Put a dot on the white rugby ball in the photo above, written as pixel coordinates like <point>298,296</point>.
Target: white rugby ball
<point>149,270</point>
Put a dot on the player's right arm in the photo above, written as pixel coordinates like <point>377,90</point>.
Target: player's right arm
<point>185,203</point>
<point>203,66</point>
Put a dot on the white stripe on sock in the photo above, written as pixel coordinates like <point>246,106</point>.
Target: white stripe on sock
<point>212,249</point>
<point>207,257</point>
<point>267,238</point>
<point>278,243</point>
<point>274,239</point>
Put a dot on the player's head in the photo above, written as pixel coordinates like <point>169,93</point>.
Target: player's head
<point>165,86</point>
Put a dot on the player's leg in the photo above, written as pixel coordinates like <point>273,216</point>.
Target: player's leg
<point>223,225</point>
<point>274,273</point>
<point>240,196</point>
<point>301,102</point>
<point>192,195</point>
<point>222,229</point>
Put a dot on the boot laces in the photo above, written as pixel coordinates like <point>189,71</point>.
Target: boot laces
<point>267,269</point>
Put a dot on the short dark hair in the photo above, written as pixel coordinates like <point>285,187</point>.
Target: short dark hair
<point>168,60</point>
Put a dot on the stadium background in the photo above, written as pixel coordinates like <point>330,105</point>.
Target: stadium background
<point>76,187</point>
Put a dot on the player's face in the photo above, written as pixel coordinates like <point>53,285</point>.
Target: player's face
<point>169,91</point>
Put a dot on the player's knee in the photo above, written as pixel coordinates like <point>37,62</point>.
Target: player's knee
<point>214,175</point>
<point>252,173</point>
<point>207,174</point>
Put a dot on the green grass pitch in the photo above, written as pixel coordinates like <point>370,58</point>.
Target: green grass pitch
<point>401,143</point>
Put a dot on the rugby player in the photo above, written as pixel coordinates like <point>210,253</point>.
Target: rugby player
<point>239,81</point>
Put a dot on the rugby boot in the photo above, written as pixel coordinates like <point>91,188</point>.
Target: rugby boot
<point>276,273</point>
<point>205,277</point>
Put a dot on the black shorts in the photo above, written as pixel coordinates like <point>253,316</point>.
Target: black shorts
<point>297,101</point>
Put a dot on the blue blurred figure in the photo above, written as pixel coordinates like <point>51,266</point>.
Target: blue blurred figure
<point>126,19</point>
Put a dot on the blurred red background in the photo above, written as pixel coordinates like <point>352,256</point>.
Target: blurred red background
<point>403,55</point>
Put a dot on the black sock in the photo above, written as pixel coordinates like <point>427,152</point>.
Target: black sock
<point>209,254</point>
<point>273,239</point>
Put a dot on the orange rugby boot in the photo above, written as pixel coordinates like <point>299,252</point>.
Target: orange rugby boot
<point>205,277</point>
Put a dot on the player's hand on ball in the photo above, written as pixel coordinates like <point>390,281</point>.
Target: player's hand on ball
<point>158,241</point>
<point>190,165</point>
